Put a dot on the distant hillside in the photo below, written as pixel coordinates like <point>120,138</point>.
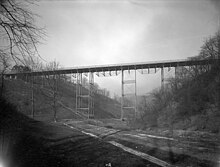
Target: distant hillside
<point>19,93</point>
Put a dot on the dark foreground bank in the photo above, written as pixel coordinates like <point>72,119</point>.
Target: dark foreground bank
<point>26,142</point>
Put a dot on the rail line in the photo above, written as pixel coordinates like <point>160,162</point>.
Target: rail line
<point>127,149</point>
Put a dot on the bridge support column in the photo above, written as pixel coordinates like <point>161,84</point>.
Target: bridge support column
<point>55,91</point>
<point>133,95</point>
<point>85,95</point>
<point>175,72</point>
<point>91,95</point>
<point>122,94</point>
<point>162,78</point>
<point>78,91</point>
<point>26,79</point>
<point>42,81</point>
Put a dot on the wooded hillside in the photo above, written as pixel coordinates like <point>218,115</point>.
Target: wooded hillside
<point>190,100</point>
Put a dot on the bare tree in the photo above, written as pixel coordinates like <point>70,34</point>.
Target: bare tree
<point>50,91</point>
<point>19,34</point>
<point>211,47</point>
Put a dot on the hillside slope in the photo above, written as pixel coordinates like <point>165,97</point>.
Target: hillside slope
<point>19,93</point>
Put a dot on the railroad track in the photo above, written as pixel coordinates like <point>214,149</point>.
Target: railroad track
<point>127,149</point>
<point>144,145</point>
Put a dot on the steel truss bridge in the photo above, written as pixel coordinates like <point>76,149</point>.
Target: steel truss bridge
<point>112,70</point>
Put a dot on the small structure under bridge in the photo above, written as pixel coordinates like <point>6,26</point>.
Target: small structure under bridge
<point>115,69</point>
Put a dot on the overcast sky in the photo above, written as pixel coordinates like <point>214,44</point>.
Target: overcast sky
<point>124,31</point>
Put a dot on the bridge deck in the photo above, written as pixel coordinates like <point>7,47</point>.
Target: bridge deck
<point>118,67</point>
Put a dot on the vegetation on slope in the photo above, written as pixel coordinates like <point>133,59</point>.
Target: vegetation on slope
<point>190,100</point>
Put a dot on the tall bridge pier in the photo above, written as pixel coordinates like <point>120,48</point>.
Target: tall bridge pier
<point>132,95</point>
<point>85,95</point>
